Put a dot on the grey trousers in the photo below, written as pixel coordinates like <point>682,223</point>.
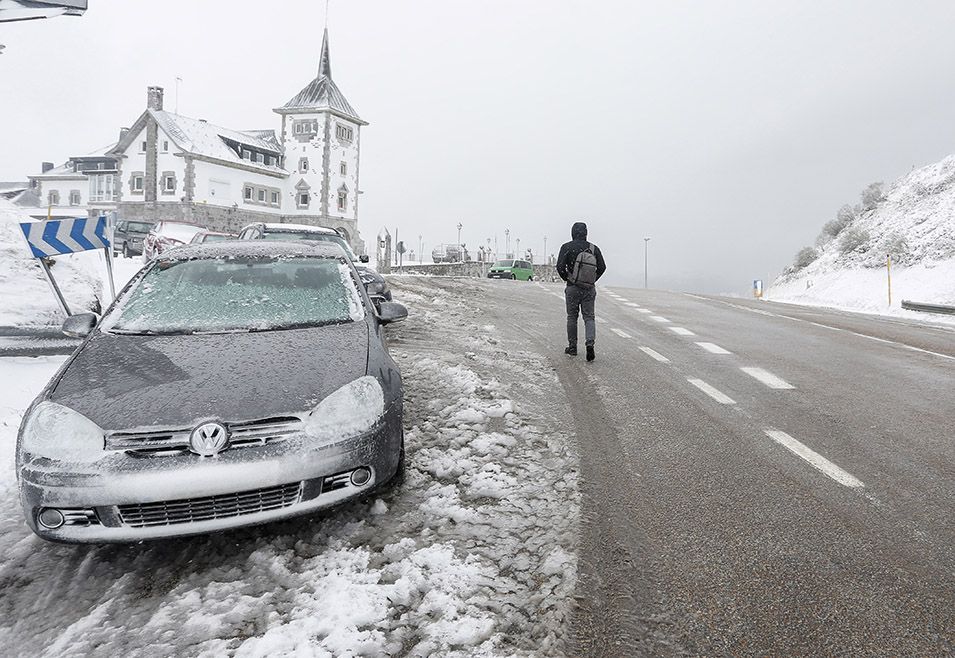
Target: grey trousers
<point>580,300</point>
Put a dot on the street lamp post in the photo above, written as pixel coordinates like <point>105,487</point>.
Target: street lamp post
<point>460,226</point>
<point>507,243</point>
<point>646,253</point>
<point>517,249</point>
<point>546,260</point>
<point>420,249</point>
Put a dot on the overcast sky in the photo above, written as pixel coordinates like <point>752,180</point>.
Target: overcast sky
<point>728,132</point>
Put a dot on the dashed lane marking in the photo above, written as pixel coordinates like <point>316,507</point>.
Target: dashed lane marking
<point>622,334</point>
<point>681,331</point>
<point>654,354</point>
<point>633,305</point>
<point>768,378</point>
<point>713,348</point>
<point>644,310</point>
<point>658,318</point>
<point>815,459</point>
<point>714,393</point>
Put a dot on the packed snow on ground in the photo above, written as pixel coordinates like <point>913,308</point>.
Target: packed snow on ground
<point>472,556</point>
<point>25,296</point>
<point>916,223</point>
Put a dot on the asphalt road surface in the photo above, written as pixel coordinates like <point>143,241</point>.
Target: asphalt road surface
<point>756,478</point>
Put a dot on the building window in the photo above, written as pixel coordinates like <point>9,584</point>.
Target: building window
<point>246,154</point>
<point>302,198</point>
<point>248,193</point>
<point>165,146</point>
<point>303,165</point>
<point>275,198</point>
<point>269,160</point>
<point>344,133</point>
<point>343,169</point>
<point>142,147</point>
<point>74,197</point>
<point>262,196</point>
<point>343,199</point>
<point>136,183</point>
<point>168,182</point>
<point>101,188</point>
<point>53,198</point>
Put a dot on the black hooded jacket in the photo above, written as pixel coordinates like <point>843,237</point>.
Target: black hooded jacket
<point>569,250</point>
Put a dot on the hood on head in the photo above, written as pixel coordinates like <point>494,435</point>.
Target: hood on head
<point>578,231</point>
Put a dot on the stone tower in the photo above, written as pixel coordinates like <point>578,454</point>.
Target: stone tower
<point>321,135</point>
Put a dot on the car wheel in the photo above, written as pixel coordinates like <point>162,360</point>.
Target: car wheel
<point>126,252</point>
<point>399,477</point>
<point>530,278</point>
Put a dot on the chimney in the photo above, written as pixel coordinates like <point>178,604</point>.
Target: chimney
<point>122,133</point>
<point>154,98</point>
<point>45,167</point>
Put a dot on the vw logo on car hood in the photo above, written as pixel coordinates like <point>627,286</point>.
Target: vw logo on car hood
<point>209,439</point>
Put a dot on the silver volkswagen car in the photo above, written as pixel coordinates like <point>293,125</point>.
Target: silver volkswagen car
<point>228,385</point>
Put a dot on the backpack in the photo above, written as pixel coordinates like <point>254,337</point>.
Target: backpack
<point>584,271</point>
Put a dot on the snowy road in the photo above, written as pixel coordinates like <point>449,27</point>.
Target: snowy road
<point>474,555</point>
<point>757,478</point>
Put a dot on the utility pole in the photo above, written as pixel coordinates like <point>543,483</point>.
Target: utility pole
<point>517,249</point>
<point>460,226</point>
<point>546,260</point>
<point>646,253</point>
<point>420,249</point>
<point>507,243</point>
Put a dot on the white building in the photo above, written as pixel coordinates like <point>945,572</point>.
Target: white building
<point>168,166</point>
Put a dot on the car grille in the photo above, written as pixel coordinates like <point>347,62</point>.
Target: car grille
<point>207,508</point>
<point>176,442</point>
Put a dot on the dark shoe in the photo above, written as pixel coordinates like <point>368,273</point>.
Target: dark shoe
<point>590,353</point>
<point>572,351</point>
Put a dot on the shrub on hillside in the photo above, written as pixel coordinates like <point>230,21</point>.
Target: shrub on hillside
<point>853,239</point>
<point>805,257</point>
<point>872,196</point>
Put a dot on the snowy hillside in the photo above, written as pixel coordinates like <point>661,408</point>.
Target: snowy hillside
<point>913,220</point>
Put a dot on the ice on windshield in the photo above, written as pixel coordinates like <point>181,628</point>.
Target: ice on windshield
<point>315,237</point>
<point>236,294</point>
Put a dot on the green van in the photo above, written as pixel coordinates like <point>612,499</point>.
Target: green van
<point>511,269</point>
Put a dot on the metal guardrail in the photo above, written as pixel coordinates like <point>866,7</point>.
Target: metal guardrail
<point>928,308</point>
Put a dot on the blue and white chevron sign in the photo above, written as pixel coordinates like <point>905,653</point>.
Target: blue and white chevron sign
<point>65,236</point>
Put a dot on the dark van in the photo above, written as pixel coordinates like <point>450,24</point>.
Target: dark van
<point>128,237</point>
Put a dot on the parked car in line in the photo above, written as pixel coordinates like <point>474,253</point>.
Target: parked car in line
<point>166,235</point>
<point>128,237</point>
<point>511,269</point>
<point>205,237</point>
<point>238,383</point>
<point>450,253</point>
<point>374,283</point>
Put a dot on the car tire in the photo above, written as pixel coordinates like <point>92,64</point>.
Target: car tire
<point>530,278</point>
<point>399,477</point>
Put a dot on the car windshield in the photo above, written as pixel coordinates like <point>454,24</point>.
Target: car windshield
<point>504,263</point>
<point>213,237</point>
<point>138,227</point>
<point>237,294</point>
<point>308,235</point>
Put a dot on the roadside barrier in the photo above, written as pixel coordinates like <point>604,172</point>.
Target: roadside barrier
<point>928,308</point>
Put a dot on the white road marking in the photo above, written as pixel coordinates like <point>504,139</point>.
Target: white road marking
<point>658,318</point>
<point>557,295</point>
<point>714,393</point>
<point>633,305</point>
<point>622,334</point>
<point>768,378</point>
<point>654,354</point>
<point>681,331</point>
<point>919,349</point>
<point>713,348</point>
<point>644,310</point>
<point>815,459</point>
<point>600,321</point>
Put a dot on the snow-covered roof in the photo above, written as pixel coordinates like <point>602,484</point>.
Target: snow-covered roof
<point>322,93</point>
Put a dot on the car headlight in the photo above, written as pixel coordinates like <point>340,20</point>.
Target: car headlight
<point>59,433</point>
<point>353,409</point>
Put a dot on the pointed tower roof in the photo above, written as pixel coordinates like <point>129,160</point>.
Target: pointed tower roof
<point>322,94</point>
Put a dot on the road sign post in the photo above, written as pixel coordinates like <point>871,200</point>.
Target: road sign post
<point>61,237</point>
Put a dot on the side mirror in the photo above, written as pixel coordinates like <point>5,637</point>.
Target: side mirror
<point>80,325</point>
<point>391,312</point>
<point>363,258</point>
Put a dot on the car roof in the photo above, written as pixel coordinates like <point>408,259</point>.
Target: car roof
<point>254,249</point>
<point>279,228</point>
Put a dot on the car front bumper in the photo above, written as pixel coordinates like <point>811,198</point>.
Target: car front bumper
<point>500,275</point>
<point>126,499</point>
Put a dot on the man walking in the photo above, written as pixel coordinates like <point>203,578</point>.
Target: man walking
<point>580,264</point>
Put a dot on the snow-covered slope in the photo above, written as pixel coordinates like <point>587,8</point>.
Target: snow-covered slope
<point>914,221</point>
<point>25,295</point>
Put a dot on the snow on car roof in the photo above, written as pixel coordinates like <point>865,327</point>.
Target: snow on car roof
<point>254,249</point>
<point>179,231</point>
<point>278,228</point>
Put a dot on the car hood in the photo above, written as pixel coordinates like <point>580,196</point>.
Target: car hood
<point>125,382</point>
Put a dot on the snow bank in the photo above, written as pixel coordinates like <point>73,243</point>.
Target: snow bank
<point>472,556</point>
<point>25,295</point>
<point>915,222</point>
